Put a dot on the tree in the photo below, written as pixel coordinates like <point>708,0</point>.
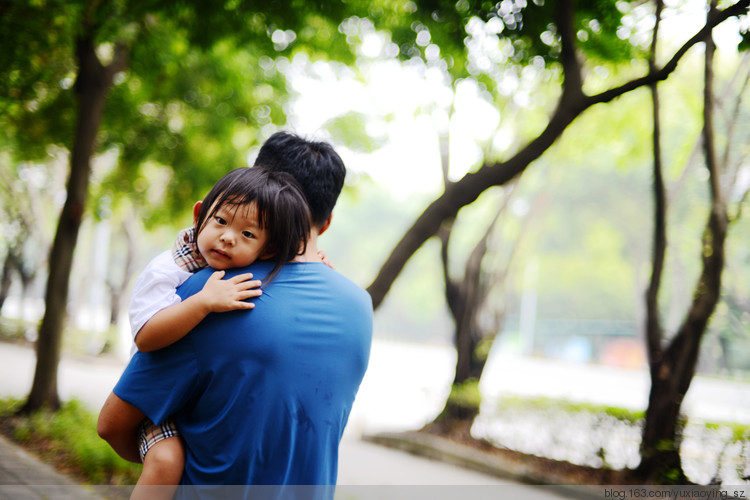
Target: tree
<point>23,223</point>
<point>477,319</point>
<point>566,22</point>
<point>93,82</point>
<point>672,364</point>
<point>92,44</point>
<point>475,302</point>
<point>117,285</point>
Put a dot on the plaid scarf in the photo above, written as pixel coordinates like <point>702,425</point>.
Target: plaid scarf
<point>185,252</point>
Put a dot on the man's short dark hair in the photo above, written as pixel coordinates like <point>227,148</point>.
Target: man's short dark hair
<point>317,168</point>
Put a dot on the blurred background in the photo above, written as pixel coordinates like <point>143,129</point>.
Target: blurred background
<point>417,97</point>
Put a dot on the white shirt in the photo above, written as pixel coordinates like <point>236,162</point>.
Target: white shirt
<point>154,290</point>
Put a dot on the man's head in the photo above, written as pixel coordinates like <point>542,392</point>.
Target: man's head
<point>317,168</point>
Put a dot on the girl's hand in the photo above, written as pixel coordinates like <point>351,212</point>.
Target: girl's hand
<point>325,260</point>
<point>228,295</point>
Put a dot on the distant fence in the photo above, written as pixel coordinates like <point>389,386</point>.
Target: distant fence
<point>597,341</point>
<point>619,343</point>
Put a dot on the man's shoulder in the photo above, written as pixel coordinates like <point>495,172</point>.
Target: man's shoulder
<point>346,282</point>
<point>317,276</point>
<point>348,289</point>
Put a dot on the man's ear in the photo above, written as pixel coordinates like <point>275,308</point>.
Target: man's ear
<point>325,225</point>
<point>196,210</point>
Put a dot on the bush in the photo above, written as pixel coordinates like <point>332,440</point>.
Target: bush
<point>68,439</point>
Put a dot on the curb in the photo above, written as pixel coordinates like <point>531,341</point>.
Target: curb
<point>445,450</point>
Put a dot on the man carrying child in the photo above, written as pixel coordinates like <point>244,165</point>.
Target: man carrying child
<point>261,396</point>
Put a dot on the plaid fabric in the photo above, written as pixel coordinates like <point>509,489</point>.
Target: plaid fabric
<point>149,434</point>
<point>185,252</point>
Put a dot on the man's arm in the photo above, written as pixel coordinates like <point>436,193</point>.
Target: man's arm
<point>118,425</point>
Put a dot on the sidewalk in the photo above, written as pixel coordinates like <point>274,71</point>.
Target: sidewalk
<point>24,477</point>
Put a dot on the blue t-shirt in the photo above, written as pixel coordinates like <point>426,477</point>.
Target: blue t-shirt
<point>262,396</point>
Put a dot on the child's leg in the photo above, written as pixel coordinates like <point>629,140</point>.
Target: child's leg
<point>162,470</point>
<point>163,456</point>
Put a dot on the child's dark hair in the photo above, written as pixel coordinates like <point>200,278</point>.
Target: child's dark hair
<point>280,205</point>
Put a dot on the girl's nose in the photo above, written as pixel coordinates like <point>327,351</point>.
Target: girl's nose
<point>227,237</point>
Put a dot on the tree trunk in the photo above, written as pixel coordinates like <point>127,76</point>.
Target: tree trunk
<point>672,369</point>
<point>662,433</point>
<point>92,85</point>
<point>653,326</point>
<point>5,279</point>
<point>466,299</point>
<point>117,289</point>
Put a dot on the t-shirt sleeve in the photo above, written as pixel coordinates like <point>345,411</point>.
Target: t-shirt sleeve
<point>155,289</point>
<point>161,382</point>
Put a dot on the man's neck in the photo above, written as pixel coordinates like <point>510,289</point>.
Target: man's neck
<point>311,250</point>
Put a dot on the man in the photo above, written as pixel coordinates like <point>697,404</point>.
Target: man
<point>261,397</point>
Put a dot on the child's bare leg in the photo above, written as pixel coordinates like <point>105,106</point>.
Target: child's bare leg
<point>162,470</point>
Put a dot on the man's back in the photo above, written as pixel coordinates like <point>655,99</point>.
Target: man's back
<point>263,396</point>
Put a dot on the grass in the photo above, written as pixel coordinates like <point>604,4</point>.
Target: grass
<point>68,440</point>
<point>545,404</point>
<point>608,436</point>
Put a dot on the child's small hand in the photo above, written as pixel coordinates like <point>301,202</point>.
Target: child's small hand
<point>325,260</point>
<point>227,295</point>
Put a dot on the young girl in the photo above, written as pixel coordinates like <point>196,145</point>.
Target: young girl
<point>249,214</point>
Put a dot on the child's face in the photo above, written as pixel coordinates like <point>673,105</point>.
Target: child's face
<point>232,237</point>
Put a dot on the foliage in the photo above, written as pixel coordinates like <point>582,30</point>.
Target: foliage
<point>14,329</point>
<point>187,124</point>
<point>68,439</point>
<point>544,404</point>
<point>738,432</point>
<point>466,394</point>
<point>518,32</point>
<point>104,44</point>
<point>201,84</point>
<point>351,129</point>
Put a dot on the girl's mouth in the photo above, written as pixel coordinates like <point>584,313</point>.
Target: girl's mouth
<point>220,254</point>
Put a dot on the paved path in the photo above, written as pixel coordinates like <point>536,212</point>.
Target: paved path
<point>23,477</point>
<point>365,470</point>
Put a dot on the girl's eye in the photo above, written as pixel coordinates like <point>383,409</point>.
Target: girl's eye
<point>247,234</point>
<point>220,220</point>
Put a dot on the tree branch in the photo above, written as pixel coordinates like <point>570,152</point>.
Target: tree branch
<point>468,188</point>
<point>653,325</point>
<point>451,287</point>
<point>714,19</point>
<point>733,121</point>
<point>685,345</point>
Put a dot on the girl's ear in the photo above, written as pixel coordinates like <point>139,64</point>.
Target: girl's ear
<point>196,210</point>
